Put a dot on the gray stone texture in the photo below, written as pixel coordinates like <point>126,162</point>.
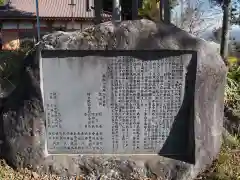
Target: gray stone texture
<point>23,119</point>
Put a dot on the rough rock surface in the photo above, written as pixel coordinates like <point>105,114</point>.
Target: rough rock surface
<point>231,122</point>
<point>23,120</point>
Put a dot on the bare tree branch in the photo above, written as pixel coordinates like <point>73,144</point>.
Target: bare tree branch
<point>195,20</point>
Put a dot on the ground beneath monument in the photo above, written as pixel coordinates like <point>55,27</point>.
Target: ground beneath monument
<point>225,168</point>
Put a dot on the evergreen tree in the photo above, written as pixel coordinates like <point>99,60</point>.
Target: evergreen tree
<point>1,2</point>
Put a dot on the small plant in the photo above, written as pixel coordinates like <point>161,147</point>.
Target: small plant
<point>11,63</point>
<point>150,9</point>
<point>227,166</point>
<point>232,90</point>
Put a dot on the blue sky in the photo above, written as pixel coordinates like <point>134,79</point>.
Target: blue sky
<point>213,17</point>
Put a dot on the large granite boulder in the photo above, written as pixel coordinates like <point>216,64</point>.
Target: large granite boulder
<point>23,120</point>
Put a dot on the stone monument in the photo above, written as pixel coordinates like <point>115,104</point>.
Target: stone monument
<point>127,101</point>
<point>168,103</point>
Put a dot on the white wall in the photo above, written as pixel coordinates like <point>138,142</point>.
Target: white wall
<point>9,25</point>
<point>58,24</point>
<point>26,25</point>
<point>42,24</point>
<point>74,25</point>
<point>79,25</point>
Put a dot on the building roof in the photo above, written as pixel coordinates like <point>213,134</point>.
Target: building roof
<point>50,9</point>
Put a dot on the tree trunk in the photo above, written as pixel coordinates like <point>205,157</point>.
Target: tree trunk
<point>97,11</point>
<point>135,5</point>
<point>225,29</point>
<point>167,12</point>
<point>161,10</point>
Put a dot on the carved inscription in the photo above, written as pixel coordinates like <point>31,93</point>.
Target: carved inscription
<point>125,106</point>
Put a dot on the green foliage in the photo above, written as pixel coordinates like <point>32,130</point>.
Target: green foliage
<point>150,8</point>
<point>10,65</point>
<point>232,90</point>
<point>1,2</point>
<point>227,166</point>
<point>228,163</point>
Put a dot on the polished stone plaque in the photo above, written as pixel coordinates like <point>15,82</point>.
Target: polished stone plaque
<point>110,105</point>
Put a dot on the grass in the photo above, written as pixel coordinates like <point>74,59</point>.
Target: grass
<point>232,88</point>
<point>7,173</point>
<point>227,166</point>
